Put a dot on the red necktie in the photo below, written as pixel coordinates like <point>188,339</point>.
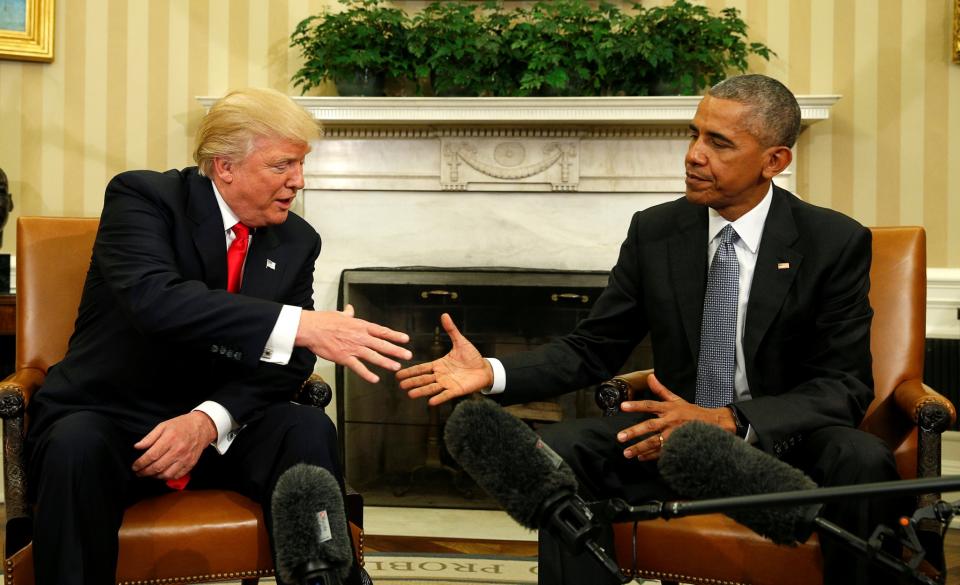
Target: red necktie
<point>235,255</point>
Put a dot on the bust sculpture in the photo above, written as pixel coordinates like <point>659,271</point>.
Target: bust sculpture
<point>6,203</point>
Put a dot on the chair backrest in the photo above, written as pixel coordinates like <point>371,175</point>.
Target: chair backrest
<point>53,255</point>
<point>898,295</point>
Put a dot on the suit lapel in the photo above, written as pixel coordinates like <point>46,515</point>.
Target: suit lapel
<point>208,233</point>
<point>264,266</point>
<point>776,269</point>
<point>688,270</point>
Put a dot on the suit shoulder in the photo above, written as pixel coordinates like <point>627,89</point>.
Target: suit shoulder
<point>662,219</point>
<point>145,179</point>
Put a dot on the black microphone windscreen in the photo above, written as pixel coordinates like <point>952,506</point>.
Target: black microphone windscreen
<point>703,461</point>
<point>507,459</point>
<point>309,523</point>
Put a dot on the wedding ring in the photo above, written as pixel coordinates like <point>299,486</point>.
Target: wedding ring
<point>660,436</point>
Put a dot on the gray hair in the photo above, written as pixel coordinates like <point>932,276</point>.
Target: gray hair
<point>774,112</point>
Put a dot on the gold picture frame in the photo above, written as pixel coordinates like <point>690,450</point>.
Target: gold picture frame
<point>956,31</point>
<point>30,38</point>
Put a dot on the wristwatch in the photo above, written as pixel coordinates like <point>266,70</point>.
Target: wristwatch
<point>741,428</point>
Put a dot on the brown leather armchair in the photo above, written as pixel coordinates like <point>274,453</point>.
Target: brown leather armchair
<point>908,415</point>
<point>180,537</point>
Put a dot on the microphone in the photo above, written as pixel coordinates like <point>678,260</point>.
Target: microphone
<point>309,524</point>
<point>702,461</point>
<point>529,480</point>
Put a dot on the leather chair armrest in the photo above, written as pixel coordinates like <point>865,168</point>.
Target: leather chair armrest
<point>925,406</point>
<point>314,392</point>
<point>932,414</point>
<point>612,393</point>
<point>16,390</point>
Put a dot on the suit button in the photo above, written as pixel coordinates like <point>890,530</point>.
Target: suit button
<point>238,356</point>
<point>214,348</point>
<point>229,353</point>
<point>223,350</point>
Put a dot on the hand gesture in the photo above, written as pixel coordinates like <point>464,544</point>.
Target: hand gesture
<point>460,372</point>
<point>174,446</point>
<point>339,337</point>
<point>669,412</point>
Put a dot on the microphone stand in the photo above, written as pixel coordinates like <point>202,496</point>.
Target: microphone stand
<point>617,510</point>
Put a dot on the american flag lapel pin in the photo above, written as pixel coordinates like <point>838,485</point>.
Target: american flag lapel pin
<point>783,266</point>
<point>271,265</point>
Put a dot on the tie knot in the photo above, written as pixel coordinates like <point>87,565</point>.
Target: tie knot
<point>240,230</point>
<point>728,235</point>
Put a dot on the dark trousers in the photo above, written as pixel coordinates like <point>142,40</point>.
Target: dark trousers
<point>81,481</point>
<point>830,456</point>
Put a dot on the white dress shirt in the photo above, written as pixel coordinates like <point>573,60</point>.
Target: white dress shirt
<point>278,350</point>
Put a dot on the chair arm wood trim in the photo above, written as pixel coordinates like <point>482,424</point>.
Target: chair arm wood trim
<point>16,390</point>
<point>314,392</point>
<point>612,393</point>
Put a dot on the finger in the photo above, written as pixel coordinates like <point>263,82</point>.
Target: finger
<point>361,370</point>
<point>651,406</point>
<point>149,439</point>
<point>647,427</point>
<point>389,335</point>
<point>442,397</point>
<point>385,347</point>
<point>414,372</point>
<point>659,389</point>
<point>372,357</point>
<point>348,311</point>
<point>426,390</point>
<point>417,381</point>
<point>450,327</point>
<point>646,450</point>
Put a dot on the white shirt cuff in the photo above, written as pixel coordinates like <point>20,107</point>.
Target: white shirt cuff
<point>223,420</point>
<point>499,377</point>
<point>279,346</point>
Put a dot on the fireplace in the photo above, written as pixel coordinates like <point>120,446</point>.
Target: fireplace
<point>535,183</point>
<point>392,446</point>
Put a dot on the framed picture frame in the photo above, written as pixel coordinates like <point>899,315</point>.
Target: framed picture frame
<point>956,31</point>
<point>26,30</point>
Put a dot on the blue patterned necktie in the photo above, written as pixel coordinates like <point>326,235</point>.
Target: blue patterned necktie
<point>718,330</point>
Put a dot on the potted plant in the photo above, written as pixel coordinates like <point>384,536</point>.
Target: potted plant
<point>680,49</point>
<point>461,48</point>
<point>565,45</point>
<point>356,48</point>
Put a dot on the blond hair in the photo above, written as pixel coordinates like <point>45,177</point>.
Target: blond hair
<point>237,119</point>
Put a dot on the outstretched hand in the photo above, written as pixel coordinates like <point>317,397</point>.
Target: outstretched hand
<point>343,339</point>
<point>462,371</point>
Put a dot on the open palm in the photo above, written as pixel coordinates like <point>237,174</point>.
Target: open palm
<point>462,371</point>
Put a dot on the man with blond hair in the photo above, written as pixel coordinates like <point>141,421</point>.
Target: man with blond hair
<point>195,328</point>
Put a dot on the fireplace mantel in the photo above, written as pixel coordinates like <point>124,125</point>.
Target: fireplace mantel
<point>559,111</point>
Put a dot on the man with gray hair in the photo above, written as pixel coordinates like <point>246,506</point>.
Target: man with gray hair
<point>195,328</point>
<point>756,306</point>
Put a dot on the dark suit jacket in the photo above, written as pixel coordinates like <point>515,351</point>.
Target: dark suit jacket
<point>807,329</point>
<point>156,332</point>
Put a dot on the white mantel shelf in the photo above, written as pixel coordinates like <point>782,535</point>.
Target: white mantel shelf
<point>674,110</point>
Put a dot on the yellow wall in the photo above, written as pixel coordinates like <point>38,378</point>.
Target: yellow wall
<point>120,95</point>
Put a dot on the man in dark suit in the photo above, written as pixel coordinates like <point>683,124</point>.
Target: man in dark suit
<point>798,366</point>
<point>180,369</point>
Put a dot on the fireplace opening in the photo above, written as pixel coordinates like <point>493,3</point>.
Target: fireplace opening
<point>392,446</point>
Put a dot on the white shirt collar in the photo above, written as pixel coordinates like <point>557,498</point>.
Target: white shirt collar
<point>229,218</point>
<point>749,226</point>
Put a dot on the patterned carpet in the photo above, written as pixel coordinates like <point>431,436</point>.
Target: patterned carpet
<point>443,569</point>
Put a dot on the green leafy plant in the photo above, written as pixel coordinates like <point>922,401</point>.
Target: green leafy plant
<point>365,40</point>
<point>681,49</point>
<point>554,47</point>
<point>460,47</point>
<point>565,45</point>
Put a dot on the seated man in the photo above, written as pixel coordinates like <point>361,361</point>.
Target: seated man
<point>195,329</point>
<point>756,305</point>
